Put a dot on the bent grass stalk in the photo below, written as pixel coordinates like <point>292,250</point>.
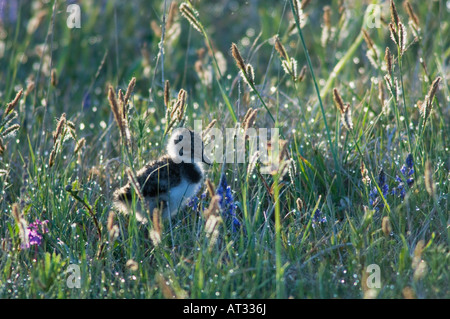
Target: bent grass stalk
<point>195,23</point>
<point>319,96</point>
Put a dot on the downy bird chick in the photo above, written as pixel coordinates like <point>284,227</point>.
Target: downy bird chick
<point>168,182</point>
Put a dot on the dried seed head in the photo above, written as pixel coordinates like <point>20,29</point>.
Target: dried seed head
<point>59,127</point>
<point>412,15</point>
<point>53,78</point>
<point>246,71</point>
<point>419,249</point>
<point>171,16</point>
<point>327,16</point>
<point>22,224</point>
<point>191,15</point>
<point>213,208</point>
<point>51,160</point>
<point>237,57</point>
<point>16,212</point>
<point>30,88</point>
<point>433,89</point>
<point>80,145</point>
<point>302,74</point>
<point>167,94</point>
<point>2,146</point>
<point>368,39</point>
<point>338,101</point>
<point>280,49</point>
<point>252,163</point>
<point>210,188</point>
<point>393,33</point>
<point>346,117</point>
<point>390,85</point>
<point>110,222</point>
<point>180,105</point>
<point>70,125</point>
<point>365,174</point>
<point>113,230</point>
<point>381,91</point>
<point>117,112</point>
<point>427,105</point>
<point>121,97</point>
<point>249,111</point>
<point>129,91</point>
<point>299,204</point>
<point>388,59</point>
<point>249,120</point>
<point>386,226</point>
<point>114,106</point>
<point>11,105</point>
<point>10,130</point>
<point>208,128</point>
<point>250,73</point>
<point>421,270</point>
<point>394,15</point>
<point>402,37</point>
<point>157,227</point>
<point>298,8</point>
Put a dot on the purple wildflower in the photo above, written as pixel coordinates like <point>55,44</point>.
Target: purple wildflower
<point>195,202</point>
<point>375,200</point>
<point>318,218</point>
<point>35,231</point>
<point>226,202</point>
<point>407,171</point>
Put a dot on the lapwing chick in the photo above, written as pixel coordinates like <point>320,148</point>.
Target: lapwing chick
<point>168,182</point>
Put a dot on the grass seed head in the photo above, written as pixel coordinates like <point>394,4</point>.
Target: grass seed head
<point>80,144</point>
<point>11,105</point>
<point>394,15</point>
<point>167,94</point>
<point>299,204</point>
<point>302,74</point>
<point>412,15</point>
<point>210,188</point>
<point>208,128</point>
<point>59,127</point>
<point>238,57</point>
<point>2,147</point>
<point>386,226</point>
<point>129,91</point>
<point>280,48</point>
<point>393,33</point>
<point>191,15</point>
<point>11,130</point>
<point>388,59</point>
<point>402,37</point>
<point>338,101</point>
<point>426,107</point>
<point>53,78</point>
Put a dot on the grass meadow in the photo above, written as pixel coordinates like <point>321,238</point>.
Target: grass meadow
<point>356,207</point>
